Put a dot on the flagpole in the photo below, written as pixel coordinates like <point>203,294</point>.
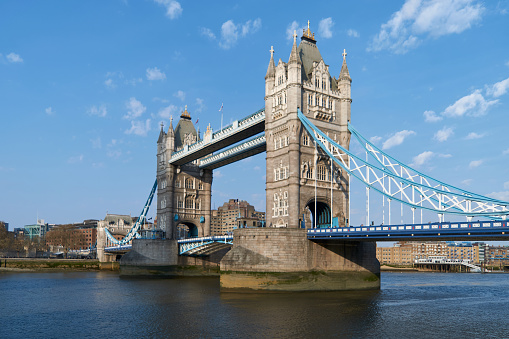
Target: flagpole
<point>221,110</point>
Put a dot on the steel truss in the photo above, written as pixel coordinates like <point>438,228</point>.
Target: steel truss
<point>399,182</point>
<point>133,232</point>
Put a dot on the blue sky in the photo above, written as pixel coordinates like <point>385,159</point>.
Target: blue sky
<point>85,85</point>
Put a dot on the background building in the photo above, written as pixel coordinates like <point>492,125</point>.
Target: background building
<point>235,214</point>
<point>406,253</point>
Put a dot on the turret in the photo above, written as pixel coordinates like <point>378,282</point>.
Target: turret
<point>344,80</point>
<point>270,77</point>
<point>170,137</point>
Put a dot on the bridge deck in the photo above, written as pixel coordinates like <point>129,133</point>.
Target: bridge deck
<point>480,230</point>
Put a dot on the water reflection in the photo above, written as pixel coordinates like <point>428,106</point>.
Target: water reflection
<point>90,304</point>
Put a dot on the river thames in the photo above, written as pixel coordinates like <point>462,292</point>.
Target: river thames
<point>99,304</point>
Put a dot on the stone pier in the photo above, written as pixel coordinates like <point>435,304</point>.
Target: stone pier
<point>159,258</point>
<point>284,259</point>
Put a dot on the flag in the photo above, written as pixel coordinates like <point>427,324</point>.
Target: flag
<point>221,107</point>
<point>196,121</point>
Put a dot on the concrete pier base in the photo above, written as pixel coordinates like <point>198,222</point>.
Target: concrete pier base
<point>159,258</point>
<point>285,260</point>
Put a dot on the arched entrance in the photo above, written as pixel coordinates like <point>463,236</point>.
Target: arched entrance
<point>186,230</point>
<point>322,215</point>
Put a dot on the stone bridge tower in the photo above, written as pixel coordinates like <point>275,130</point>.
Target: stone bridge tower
<point>183,192</point>
<point>296,171</point>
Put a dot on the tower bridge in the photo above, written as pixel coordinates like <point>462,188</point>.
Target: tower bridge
<point>305,130</point>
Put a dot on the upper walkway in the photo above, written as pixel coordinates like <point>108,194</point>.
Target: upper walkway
<point>239,130</point>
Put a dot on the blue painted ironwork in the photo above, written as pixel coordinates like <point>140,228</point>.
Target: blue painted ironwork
<point>133,232</point>
<point>414,189</point>
<point>197,246</point>
<point>409,232</point>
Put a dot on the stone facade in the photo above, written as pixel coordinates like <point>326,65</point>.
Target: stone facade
<point>296,170</point>
<point>183,192</point>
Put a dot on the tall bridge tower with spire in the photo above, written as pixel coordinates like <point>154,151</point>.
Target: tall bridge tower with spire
<point>304,188</point>
<point>184,192</point>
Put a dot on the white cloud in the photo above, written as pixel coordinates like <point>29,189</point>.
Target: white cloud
<point>96,143</point>
<point>324,27</point>
<point>473,135</point>
<point>397,139</point>
<point>155,74</point>
<point>99,111</point>
<point>173,8</point>
<point>441,155</point>
<point>76,159</point>
<point>443,134</point>
<point>498,89</point>
<point>422,158</point>
<point>208,33</point>
<point>134,109</point>
<point>218,174</point>
<point>167,112</point>
<point>139,127</point>
<point>467,182</point>
<point>472,105</point>
<point>504,195</point>
<point>200,105</point>
<point>475,163</point>
<point>353,33</point>
<point>49,111</point>
<point>431,116</point>
<point>14,58</point>
<point>505,152</point>
<point>180,94</point>
<point>375,140</point>
<point>294,26</point>
<point>419,19</point>
<point>230,32</point>
<point>109,83</point>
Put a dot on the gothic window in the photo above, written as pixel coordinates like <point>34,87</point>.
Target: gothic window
<point>189,183</point>
<point>310,99</point>
<point>285,98</point>
<point>177,183</point>
<point>322,173</point>
<point>287,140</point>
<point>200,186</point>
<point>190,202</point>
<point>316,101</point>
<point>305,140</point>
<point>275,144</point>
<point>163,203</point>
<point>180,204</point>
<point>323,84</point>
<point>197,205</point>
<point>310,173</point>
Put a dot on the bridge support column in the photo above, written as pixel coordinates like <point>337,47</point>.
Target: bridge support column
<point>285,260</point>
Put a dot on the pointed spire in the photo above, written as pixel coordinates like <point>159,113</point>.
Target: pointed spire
<point>344,68</point>
<point>271,70</point>
<point>170,129</point>
<point>294,55</point>
<point>161,134</point>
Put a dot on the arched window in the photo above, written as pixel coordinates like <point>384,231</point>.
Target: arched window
<point>189,183</point>
<point>190,202</point>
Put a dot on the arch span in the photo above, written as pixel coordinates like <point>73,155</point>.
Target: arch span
<point>320,214</point>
